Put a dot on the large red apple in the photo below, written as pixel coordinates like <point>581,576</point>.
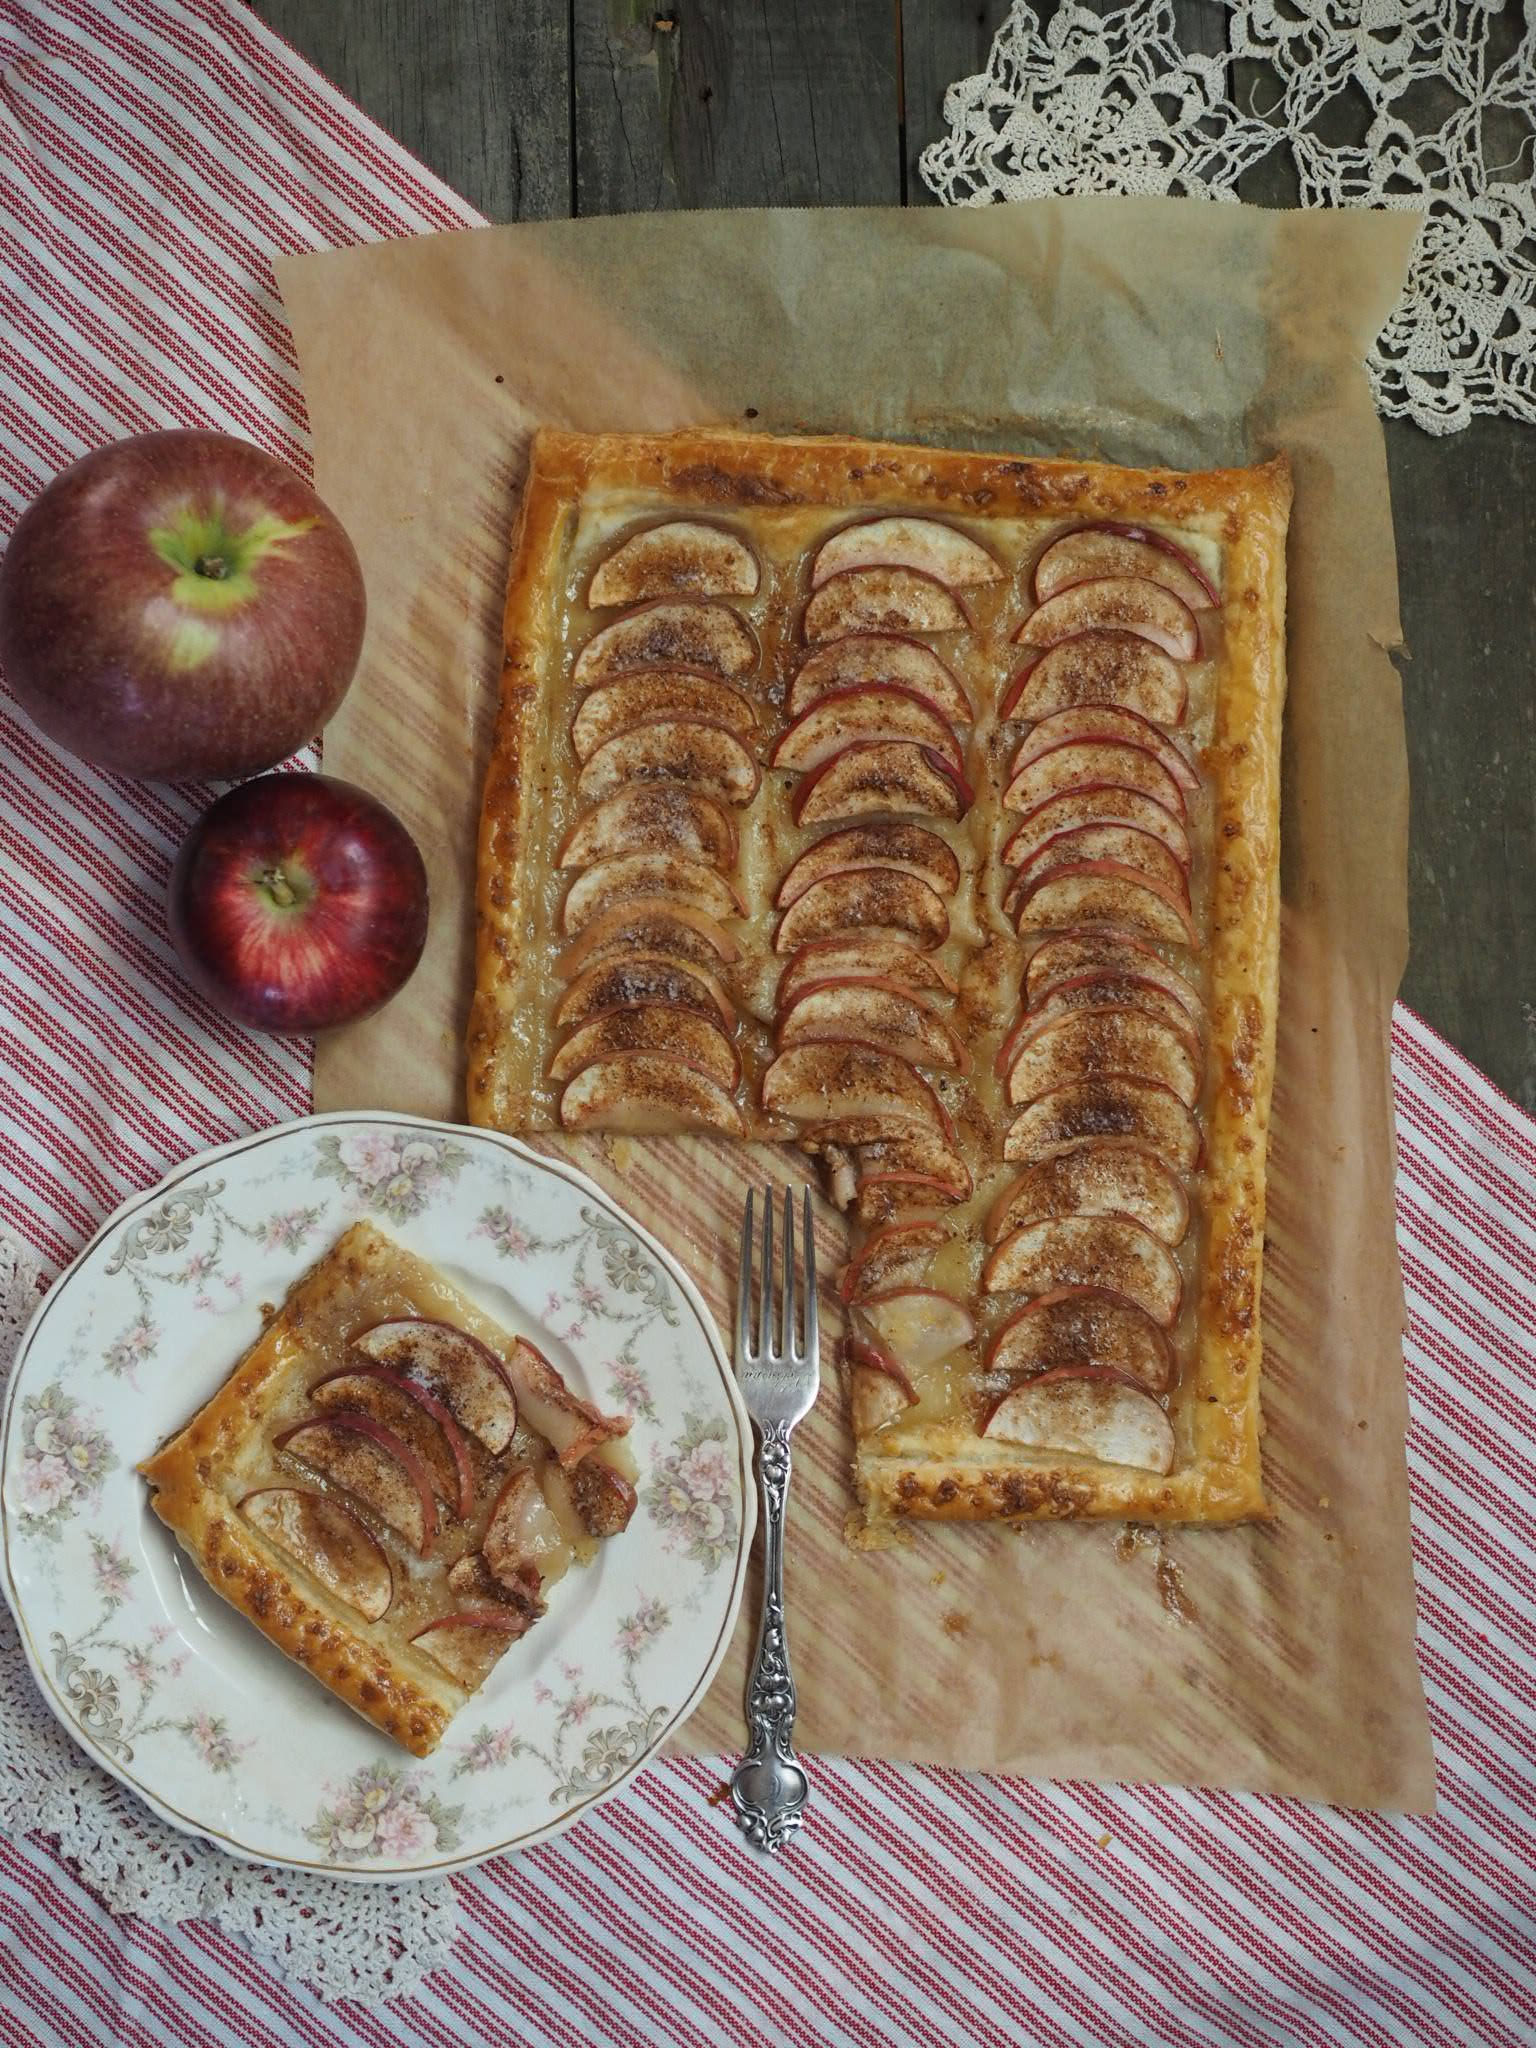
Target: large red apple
<point>180,606</point>
<point>298,903</point>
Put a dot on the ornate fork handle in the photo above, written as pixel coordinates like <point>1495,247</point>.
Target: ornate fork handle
<point>769,1788</point>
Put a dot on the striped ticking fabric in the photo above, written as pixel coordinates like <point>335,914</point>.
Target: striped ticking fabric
<point>154,154</point>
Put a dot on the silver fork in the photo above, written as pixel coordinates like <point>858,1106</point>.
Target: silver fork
<point>779,1380</point>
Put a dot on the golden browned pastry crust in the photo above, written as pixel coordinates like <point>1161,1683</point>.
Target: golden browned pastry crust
<point>223,1453</point>
<point>941,1466</point>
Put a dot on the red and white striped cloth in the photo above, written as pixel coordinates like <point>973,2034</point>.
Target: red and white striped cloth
<point>154,154</point>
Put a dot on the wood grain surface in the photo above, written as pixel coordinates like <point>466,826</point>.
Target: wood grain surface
<point>537,108</point>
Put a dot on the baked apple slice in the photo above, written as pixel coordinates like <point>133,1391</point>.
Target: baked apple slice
<point>1084,1326</point>
<point>918,1325</point>
<point>887,1197</point>
<point>1104,892</point>
<point>1095,1180</point>
<point>658,1027</point>
<point>863,714</point>
<point>605,1499</point>
<point>470,1642</point>
<point>1110,1252</point>
<point>326,1540</point>
<point>862,958</point>
<point>1096,806</point>
<point>671,633</point>
<point>883,601</point>
<point>640,980</point>
<point>416,1416</point>
<point>653,817</point>
<point>648,1093</point>
<point>878,1387</point>
<point>1123,604</point>
<point>872,1013</point>
<point>464,1374</point>
<point>830,1083</point>
<point>1087,1412</point>
<point>888,843</point>
<point>1127,846</point>
<point>916,1158</point>
<point>470,1580</point>
<point>570,1426</point>
<point>1090,552</point>
<point>710,758</point>
<point>669,876</point>
<point>896,542</point>
<point>898,1256</point>
<point>658,693</point>
<point>865,899</point>
<point>680,557</point>
<point>368,1461</point>
<point>893,658</point>
<point>650,924</point>
<point>1093,764</point>
<point>1063,961</point>
<point>1107,722</point>
<point>1099,668</point>
<point>875,777</point>
<point>1141,1113</point>
<point>523,1539</point>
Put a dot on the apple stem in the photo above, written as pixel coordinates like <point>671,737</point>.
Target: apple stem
<point>279,888</point>
<point>212,566</point>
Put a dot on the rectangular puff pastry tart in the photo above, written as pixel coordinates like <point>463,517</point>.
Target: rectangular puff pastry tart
<point>921,809</point>
<point>389,1484</point>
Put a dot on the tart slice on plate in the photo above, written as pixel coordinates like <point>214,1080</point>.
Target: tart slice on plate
<point>390,1486</point>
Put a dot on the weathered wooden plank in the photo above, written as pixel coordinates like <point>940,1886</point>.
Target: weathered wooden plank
<point>1466,556</point>
<point>942,41</point>
<point>479,89</point>
<point>700,103</point>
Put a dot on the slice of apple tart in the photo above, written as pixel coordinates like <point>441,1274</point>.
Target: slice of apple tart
<point>389,1486</point>
<point>921,809</point>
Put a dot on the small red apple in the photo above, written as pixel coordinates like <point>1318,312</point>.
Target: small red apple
<point>297,903</point>
<point>180,606</point>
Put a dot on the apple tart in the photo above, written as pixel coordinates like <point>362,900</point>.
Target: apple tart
<point>389,1485</point>
<point>921,810</point>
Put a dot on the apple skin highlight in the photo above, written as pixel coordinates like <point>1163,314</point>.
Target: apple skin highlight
<point>298,903</point>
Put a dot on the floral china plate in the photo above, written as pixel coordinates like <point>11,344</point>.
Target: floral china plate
<point>180,1697</point>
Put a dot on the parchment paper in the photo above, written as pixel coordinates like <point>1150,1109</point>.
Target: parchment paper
<point>1277,1658</point>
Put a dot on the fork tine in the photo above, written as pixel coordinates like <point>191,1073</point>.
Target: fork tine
<point>812,1339</point>
<point>765,1282</point>
<point>744,1287</point>
<point>789,1339</point>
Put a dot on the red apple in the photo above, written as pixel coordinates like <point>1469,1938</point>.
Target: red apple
<point>298,903</point>
<point>180,606</point>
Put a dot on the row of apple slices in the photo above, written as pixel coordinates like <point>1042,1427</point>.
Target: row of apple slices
<point>1102,797</point>
<point>1105,1064</point>
<point>700,558</point>
<point>873,708</point>
<point>665,742</point>
<point>853,1031</point>
<point>649,1023</point>
<point>1115,622</point>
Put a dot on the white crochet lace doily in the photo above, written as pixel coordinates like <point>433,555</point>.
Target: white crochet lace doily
<point>1114,104</point>
<point>363,1942</point>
